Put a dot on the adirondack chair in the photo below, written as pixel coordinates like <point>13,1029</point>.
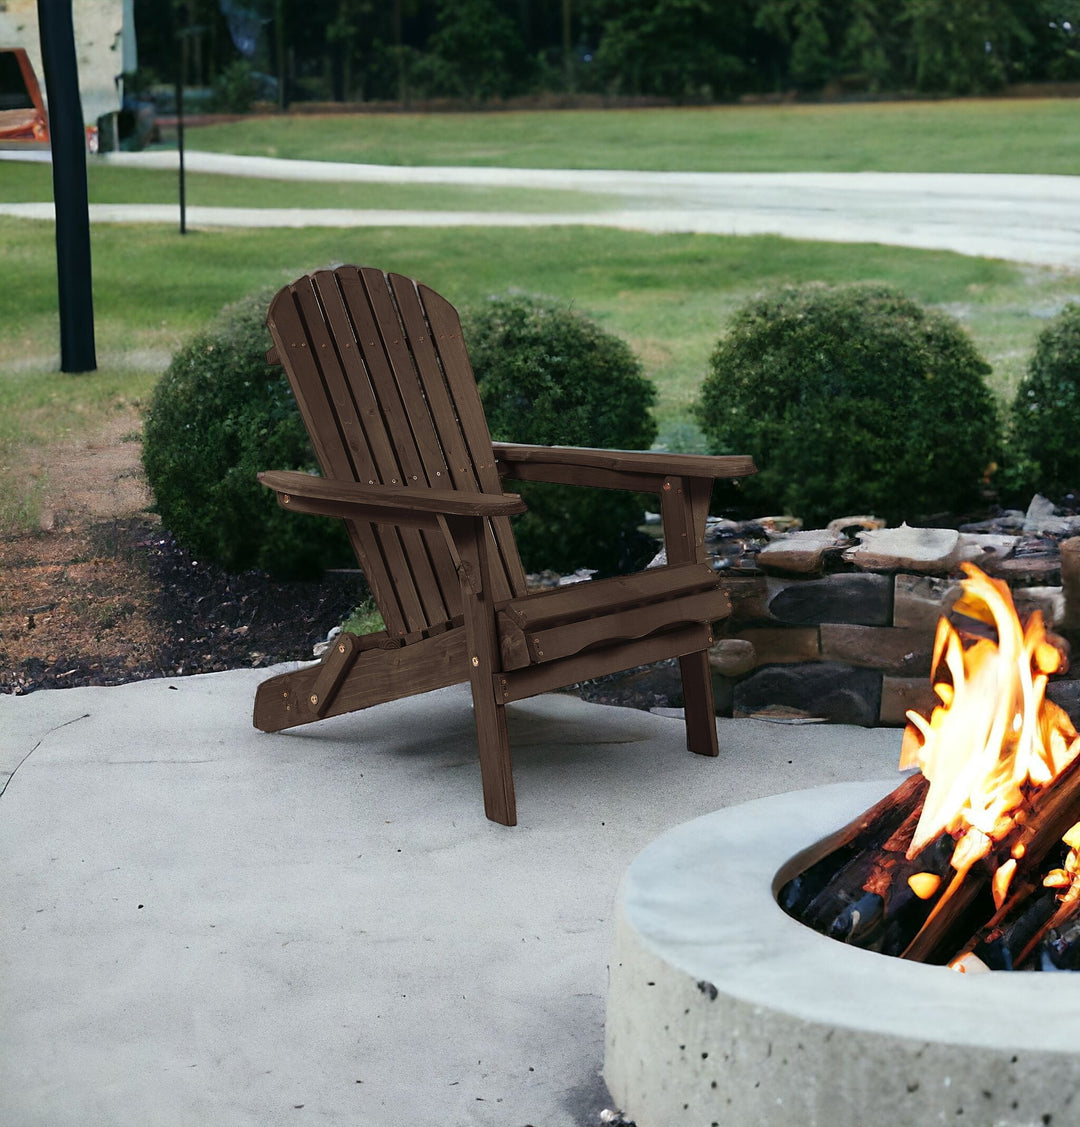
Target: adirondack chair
<point>384,384</point>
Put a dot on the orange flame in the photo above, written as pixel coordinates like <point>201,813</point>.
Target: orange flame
<point>993,733</point>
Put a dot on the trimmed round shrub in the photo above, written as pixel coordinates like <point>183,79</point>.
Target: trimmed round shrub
<point>1044,454</point>
<point>552,377</point>
<point>218,416</point>
<point>851,399</point>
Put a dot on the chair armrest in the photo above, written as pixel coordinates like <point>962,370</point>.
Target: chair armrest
<point>383,504</point>
<point>613,469</point>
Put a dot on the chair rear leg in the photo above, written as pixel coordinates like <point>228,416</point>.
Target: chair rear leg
<point>496,772</point>
<point>698,703</point>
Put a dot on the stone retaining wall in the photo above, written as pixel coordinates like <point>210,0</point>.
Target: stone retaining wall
<point>846,632</point>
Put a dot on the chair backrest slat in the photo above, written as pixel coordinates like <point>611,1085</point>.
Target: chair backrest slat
<point>461,386</point>
<point>287,326</point>
<point>326,397</point>
<point>409,382</point>
<point>385,387</point>
<point>373,401</point>
<point>457,462</point>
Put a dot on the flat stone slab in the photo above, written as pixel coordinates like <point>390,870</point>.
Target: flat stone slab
<point>799,552</point>
<point>920,600</point>
<point>983,548</point>
<point>891,649</point>
<point>904,549</point>
<point>722,1009</point>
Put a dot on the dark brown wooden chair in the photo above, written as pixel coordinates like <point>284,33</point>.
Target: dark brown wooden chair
<point>385,387</point>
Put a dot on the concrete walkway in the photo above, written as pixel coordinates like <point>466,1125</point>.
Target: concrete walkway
<point>1032,219</point>
<point>202,924</point>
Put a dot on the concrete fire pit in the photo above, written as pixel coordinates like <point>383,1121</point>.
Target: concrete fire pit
<point>724,1011</point>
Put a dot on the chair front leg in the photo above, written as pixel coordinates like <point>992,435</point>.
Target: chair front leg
<point>698,703</point>
<point>684,506</point>
<point>469,547</point>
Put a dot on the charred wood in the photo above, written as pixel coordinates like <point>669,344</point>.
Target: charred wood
<point>859,892</point>
<point>1059,948</point>
<point>863,835</point>
<point>862,891</point>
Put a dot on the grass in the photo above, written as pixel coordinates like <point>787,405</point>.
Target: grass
<point>365,619</point>
<point>971,135</point>
<point>668,295</point>
<point>25,183</point>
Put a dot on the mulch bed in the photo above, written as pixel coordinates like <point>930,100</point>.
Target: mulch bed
<point>180,616</point>
<point>121,601</point>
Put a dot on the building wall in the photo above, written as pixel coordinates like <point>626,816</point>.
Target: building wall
<point>104,46</point>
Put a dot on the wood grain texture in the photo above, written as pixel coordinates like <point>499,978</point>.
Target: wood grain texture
<point>377,676</point>
<point>629,461</point>
<point>386,390</point>
<point>517,684</point>
<point>395,501</point>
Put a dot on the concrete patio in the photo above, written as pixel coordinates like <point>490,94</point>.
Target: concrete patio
<point>203,924</point>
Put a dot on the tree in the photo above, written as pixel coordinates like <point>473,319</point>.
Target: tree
<point>675,48</point>
<point>476,52</point>
<point>811,29</point>
<point>343,35</point>
<point>1051,49</point>
<point>962,46</point>
<point>872,45</point>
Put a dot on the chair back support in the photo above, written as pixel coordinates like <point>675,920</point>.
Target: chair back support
<point>385,387</point>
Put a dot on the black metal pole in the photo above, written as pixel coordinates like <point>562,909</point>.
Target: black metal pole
<point>68,133</point>
<point>180,131</point>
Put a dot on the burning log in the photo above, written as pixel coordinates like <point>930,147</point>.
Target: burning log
<point>952,864</point>
<point>859,839</point>
<point>864,890</point>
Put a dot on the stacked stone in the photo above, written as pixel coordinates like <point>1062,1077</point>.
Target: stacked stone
<point>838,624</point>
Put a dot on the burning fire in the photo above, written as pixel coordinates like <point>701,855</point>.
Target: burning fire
<point>963,864</point>
<point>994,737</point>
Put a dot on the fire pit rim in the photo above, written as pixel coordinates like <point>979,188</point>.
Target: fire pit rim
<point>702,898</point>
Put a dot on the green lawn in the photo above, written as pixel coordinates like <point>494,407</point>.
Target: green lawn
<point>22,183</point>
<point>991,135</point>
<point>668,295</point>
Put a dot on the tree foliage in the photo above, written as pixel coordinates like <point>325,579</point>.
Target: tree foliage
<point>675,48</point>
<point>475,52</point>
<point>963,46</point>
<point>678,49</point>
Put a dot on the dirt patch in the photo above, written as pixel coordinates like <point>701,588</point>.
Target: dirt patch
<point>92,479</point>
<point>101,594</point>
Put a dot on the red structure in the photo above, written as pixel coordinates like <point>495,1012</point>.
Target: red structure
<point>22,112</point>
